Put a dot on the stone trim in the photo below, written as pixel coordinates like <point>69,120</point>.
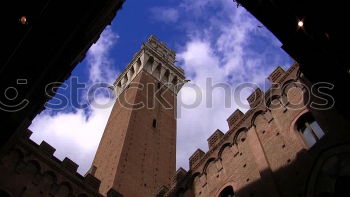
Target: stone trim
<point>158,61</point>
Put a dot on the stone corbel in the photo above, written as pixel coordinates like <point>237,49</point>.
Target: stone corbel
<point>154,66</point>
<point>162,72</point>
<point>129,74</point>
<point>171,77</point>
<point>123,81</point>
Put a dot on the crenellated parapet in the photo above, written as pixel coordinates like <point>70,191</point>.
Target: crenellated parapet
<point>277,75</point>
<point>196,157</point>
<point>46,170</point>
<point>255,98</point>
<point>239,122</point>
<point>179,175</point>
<point>181,181</point>
<point>234,119</point>
<point>156,59</point>
<point>215,138</point>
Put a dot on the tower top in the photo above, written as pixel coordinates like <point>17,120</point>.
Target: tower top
<point>156,59</point>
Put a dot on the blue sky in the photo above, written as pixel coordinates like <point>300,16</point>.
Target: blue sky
<point>213,40</point>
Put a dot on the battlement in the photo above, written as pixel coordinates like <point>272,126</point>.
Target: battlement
<point>277,75</point>
<point>44,153</point>
<point>255,98</point>
<point>162,191</point>
<point>257,102</point>
<point>235,118</point>
<point>215,138</point>
<point>161,49</point>
<point>157,60</point>
<point>179,175</point>
<point>196,157</point>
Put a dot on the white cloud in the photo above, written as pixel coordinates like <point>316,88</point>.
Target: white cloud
<point>72,134</point>
<point>100,65</point>
<point>224,51</point>
<point>165,14</point>
<point>220,46</point>
<point>77,134</point>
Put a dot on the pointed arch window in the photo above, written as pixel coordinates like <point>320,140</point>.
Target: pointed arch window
<point>310,129</point>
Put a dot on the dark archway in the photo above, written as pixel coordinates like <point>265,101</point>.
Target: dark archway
<point>342,185</point>
<point>4,193</point>
<point>227,192</point>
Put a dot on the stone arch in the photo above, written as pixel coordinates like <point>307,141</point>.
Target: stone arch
<point>308,128</point>
<point>210,160</point>
<point>297,98</point>
<point>64,190</point>
<point>149,63</point>
<point>330,173</point>
<point>229,184</point>
<point>166,75</point>
<point>174,81</point>
<point>196,174</point>
<point>47,182</point>
<point>119,84</point>
<point>132,73</point>
<point>33,165</point>
<point>255,115</point>
<point>51,174</point>
<point>236,138</point>
<point>270,102</point>
<point>12,158</point>
<point>294,123</point>
<point>124,80</point>
<point>156,72</point>
<point>285,85</point>
<point>197,182</point>
<point>138,65</point>
<point>227,191</point>
<point>222,148</point>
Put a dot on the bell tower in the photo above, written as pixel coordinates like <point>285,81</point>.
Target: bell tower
<point>137,152</point>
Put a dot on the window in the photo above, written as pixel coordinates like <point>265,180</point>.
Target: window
<point>310,129</point>
<point>227,192</point>
<point>154,124</point>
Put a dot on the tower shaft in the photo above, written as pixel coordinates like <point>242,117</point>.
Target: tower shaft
<point>137,152</point>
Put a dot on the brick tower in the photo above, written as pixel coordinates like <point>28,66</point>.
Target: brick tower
<point>136,154</point>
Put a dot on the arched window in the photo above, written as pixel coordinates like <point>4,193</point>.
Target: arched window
<point>310,129</point>
<point>227,192</point>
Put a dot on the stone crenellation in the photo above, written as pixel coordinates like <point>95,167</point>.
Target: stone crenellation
<point>235,118</point>
<point>239,120</point>
<point>64,173</point>
<point>215,138</point>
<point>258,143</point>
<point>277,75</point>
<point>281,146</point>
<point>156,59</point>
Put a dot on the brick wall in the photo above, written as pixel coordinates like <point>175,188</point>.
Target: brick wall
<point>262,153</point>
